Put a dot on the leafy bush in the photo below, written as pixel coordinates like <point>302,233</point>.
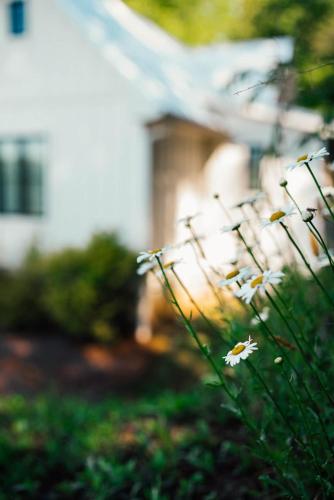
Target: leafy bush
<point>21,296</point>
<point>82,292</point>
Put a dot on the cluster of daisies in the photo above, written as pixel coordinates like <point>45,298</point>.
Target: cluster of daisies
<point>248,282</point>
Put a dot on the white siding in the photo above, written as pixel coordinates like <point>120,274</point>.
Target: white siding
<point>55,82</point>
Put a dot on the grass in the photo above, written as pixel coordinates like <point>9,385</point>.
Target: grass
<point>165,446</point>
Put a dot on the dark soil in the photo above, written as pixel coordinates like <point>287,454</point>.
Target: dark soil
<point>30,365</point>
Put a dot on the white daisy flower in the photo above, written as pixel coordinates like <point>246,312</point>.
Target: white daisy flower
<point>249,289</point>
<point>145,267</point>
<point>235,275</point>
<point>250,200</point>
<point>240,351</point>
<point>264,316</point>
<point>278,216</point>
<point>188,218</point>
<point>306,158</point>
<point>232,227</point>
<point>189,241</point>
<point>150,255</point>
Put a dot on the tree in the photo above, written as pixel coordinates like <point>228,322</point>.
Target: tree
<point>309,22</point>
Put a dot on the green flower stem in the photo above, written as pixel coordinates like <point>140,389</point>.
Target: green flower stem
<point>319,189</point>
<point>323,244</point>
<point>194,303</point>
<point>225,211</point>
<point>263,323</point>
<point>310,225</point>
<point>272,208</point>
<point>193,332</point>
<point>200,248</point>
<point>295,338</point>
<point>285,420</point>
<point>305,423</point>
<point>272,336</point>
<point>292,317</point>
<point>216,370</point>
<point>277,406</point>
<point>203,349</point>
<point>207,279</point>
<point>299,377</point>
<point>163,286</point>
<point>292,199</point>
<point>250,251</point>
<point>278,248</point>
<point>254,235</point>
<point>316,279</point>
<point>197,241</point>
<point>308,313</point>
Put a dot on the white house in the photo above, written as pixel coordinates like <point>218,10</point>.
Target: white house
<point>108,123</point>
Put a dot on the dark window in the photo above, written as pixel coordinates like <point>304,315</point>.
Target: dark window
<point>21,175</point>
<point>256,154</point>
<point>16,12</point>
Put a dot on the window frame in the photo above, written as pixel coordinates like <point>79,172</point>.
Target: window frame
<point>17,18</point>
<point>256,154</point>
<point>24,181</point>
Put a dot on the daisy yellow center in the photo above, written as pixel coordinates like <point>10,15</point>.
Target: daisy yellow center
<point>302,158</point>
<point>277,215</point>
<point>238,349</point>
<point>169,264</point>
<point>232,274</point>
<point>156,250</point>
<point>257,281</point>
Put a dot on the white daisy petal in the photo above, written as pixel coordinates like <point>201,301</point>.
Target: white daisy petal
<point>233,227</point>
<point>188,218</point>
<point>150,255</point>
<point>235,275</point>
<point>145,267</point>
<point>250,200</point>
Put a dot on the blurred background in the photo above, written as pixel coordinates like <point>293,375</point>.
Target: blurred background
<point>118,119</point>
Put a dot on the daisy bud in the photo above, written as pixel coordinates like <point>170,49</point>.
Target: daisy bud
<point>283,182</point>
<point>278,361</point>
<point>307,216</point>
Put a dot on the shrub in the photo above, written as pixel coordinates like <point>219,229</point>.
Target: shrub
<point>90,292</point>
<point>21,296</point>
<point>93,291</point>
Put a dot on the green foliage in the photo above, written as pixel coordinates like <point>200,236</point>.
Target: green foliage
<point>169,446</point>
<point>22,295</point>
<point>309,22</point>
<point>81,292</point>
